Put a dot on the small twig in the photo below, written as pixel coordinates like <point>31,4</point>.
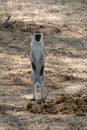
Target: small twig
<point>6,21</point>
<point>37,124</point>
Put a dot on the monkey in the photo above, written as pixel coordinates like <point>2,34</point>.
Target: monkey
<point>37,58</point>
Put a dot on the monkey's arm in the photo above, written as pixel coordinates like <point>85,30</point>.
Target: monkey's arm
<point>33,66</point>
<point>42,70</point>
<point>42,64</point>
<point>32,61</point>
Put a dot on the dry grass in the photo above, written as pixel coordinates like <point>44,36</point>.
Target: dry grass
<point>65,37</point>
<point>64,104</point>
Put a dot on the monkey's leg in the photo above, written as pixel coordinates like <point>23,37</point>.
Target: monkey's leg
<point>42,86</point>
<point>34,91</point>
<point>34,85</point>
<point>42,91</point>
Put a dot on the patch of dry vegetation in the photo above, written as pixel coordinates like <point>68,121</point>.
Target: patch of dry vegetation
<point>64,104</point>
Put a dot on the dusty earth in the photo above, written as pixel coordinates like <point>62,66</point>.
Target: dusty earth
<point>64,24</point>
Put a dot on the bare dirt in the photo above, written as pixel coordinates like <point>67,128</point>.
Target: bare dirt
<point>64,25</point>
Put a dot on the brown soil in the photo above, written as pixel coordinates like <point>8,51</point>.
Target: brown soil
<point>65,38</point>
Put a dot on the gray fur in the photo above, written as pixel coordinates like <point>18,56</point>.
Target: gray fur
<point>37,57</point>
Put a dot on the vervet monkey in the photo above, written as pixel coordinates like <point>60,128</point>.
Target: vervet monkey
<point>37,58</point>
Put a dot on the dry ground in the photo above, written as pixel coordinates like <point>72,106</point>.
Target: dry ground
<point>65,38</point>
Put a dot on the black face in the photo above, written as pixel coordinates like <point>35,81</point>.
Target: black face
<point>38,37</point>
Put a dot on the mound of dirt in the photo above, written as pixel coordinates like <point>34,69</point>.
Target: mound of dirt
<point>29,27</point>
<point>64,104</point>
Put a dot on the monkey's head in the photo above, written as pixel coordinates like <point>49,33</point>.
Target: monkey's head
<point>37,36</point>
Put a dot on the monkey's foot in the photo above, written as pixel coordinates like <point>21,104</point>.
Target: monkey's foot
<point>43,99</point>
<point>33,99</point>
